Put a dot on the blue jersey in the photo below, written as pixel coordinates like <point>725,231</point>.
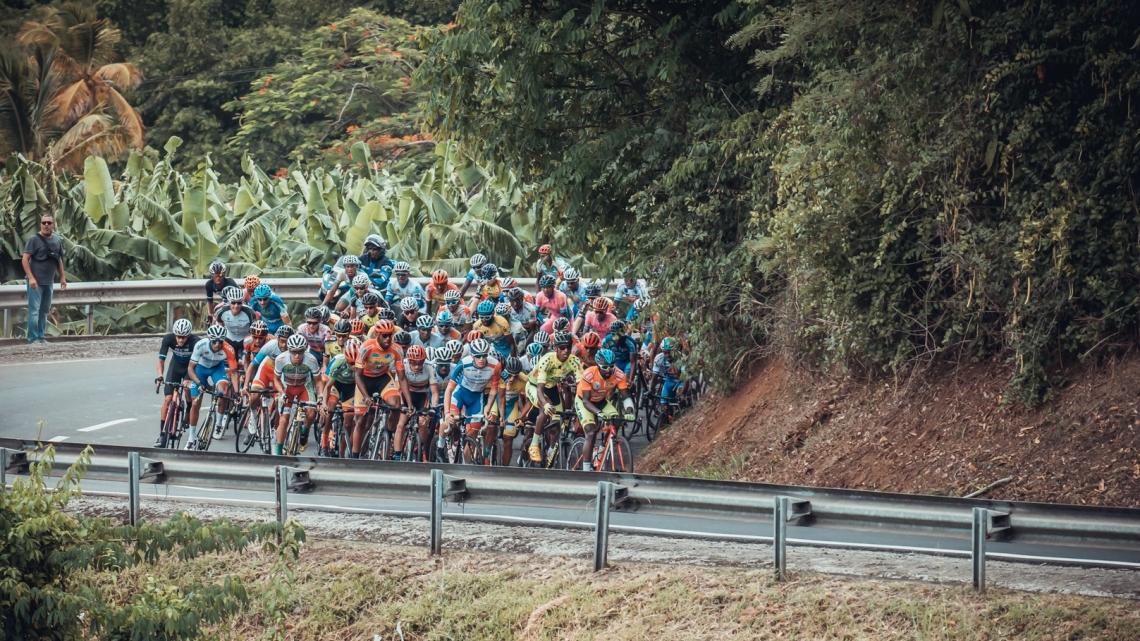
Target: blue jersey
<point>476,379</point>
<point>272,312</point>
<point>623,347</point>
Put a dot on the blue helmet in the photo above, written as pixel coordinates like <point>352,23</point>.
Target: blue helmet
<point>604,358</point>
<point>486,309</point>
<point>262,291</point>
<point>534,350</point>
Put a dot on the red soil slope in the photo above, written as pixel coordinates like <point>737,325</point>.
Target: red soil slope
<point>943,432</point>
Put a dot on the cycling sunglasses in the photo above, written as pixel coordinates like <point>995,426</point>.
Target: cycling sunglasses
<point>217,341</point>
<point>312,322</point>
<point>474,355</point>
<point>264,299</point>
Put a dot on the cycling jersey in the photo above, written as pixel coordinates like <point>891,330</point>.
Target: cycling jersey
<point>341,371</point>
<point>297,375</point>
<point>556,306</point>
<point>476,379</point>
<point>252,346</point>
<point>206,357</point>
<point>272,312</point>
<point>460,316</point>
<point>489,290</point>
<point>497,332</point>
<point>398,292</point>
<point>376,270</point>
<point>596,388</point>
<point>353,300</point>
<point>237,325</point>
<point>600,326</point>
<point>417,382</point>
<point>528,313</point>
<point>269,350</point>
<point>549,370</point>
<point>665,366</point>
<point>181,354</point>
<point>625,291</point>
<point>333,347</point>
<point>433,339</point>
<point>368,321</point>
<point>214,288</point>
<point>473,278</point>
<point>375,362</point>
<point>407,324</point>
<point>553,268</point>
<point>435,294</point>
<point>574,296</point>
<point>622,346</point>
<point>317,335</point>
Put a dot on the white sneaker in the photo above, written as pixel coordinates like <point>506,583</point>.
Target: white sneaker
<point>219,430</point>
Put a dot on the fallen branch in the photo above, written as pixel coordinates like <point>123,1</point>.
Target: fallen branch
<point>996,484</point>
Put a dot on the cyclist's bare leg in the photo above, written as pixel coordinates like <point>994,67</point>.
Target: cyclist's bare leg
<point>195,407</point>
<point>401,432</point>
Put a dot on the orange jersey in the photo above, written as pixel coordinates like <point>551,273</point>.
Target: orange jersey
<point>374,361</point>
<point>596,388</point>
<point>435,294</point>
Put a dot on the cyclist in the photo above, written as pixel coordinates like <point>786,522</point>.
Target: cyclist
<point>437,290</point>
<point>534,351</point>
<point>342,283</point>
<point>473,275</point>
<point>420,390</point>
<point>544,391</point>
<point>517,331</point>
<point>629,291</point>
<point>369,311</point>
<point>461,317</point>
<point>513,381</point>
<point>548,265</point>
<point>445,326</point>
<point>623,347</point>
<point>374,262</point>
<point>402,286</point>
<point>316,332</point>
<point>599,319</point>
<point>297,377</point>
<point>490,288</point>
<point>409,314</point>
<point>593,292</point>
<point>425,335</point>
<point>212,363</point>
<point>573,289</point>
<point>341,329</point>
<point>352,303</point>
<point>588,347</point>
<point>666,368</point>
<point>340,390</point>
<point>357,328</point>
<point>236,318</point>
<point>216,284</point>
<point>180,343</point>
<point>270,307</point>
<point>471,337</point>
<point>552,304</point>
<point>269,351</point>
<point>521,311</point>
<point>494,328</point>
<point>378,369</point>
<point>474,376</point>
<point>592,400</point>
<point>258,335</point>
<point>249,285</point>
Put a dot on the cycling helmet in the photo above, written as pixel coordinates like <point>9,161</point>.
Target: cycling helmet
<point>486,309</point>
<point>371,298</point>
<point>513,366</point>
<point>356,327</point>
<point>444,319</point>
<point>258,328</point>
<point>617,328</point>
<point>402,338</point>
<point>561,324</point>
<point>454,347</point>
<point>488,271</point>
<point>534,350</point>
<point>542,338</point>
<point>374,240</point>
<point>342,326</point>
<point>473,336</point>
<point>626,271</point>
<point>297,343</point>
<point>262,291</point>
<point>563,339</point>
<point>546,281</point>
<point>232,294</point>
<point>351,350</point>
<point>217,267</point>
<point>424,322</point>
<point>605,359</point>
<point>350,259</point>
<point>408,304</point>
<point>593,290</point>
<point>325,313</point>
<point>641,303</point>
<point>401,268</point>
<point>502,309</point>
<point>216,332</point>
<point>313,313</point>
<point>416,354</point>
<point>668,344</point>
<point>478,260</point>
<point>480,347</point>
<point>386,314</point>
<point>432,354</point>
<point>384,326</point>
<point>544,250</point>
<point>439,277</point>
<point>603,305</point>
<point>451,296</point>
<point>360,280</point>
<point>508,282</point>
<point>516,294</point>
<point>570,274</point>
<point>183,327</point>
<point>284,331</point>
<point>591,340</point>
<point>251,282</point>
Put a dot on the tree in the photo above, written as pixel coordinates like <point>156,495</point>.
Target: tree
<point>43,594</point>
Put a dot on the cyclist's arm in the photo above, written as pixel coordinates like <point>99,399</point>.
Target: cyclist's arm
<point>193,374</point>
<point>434,394</point>
<point>162,359</point>
<point>463,290</point>
<point>361,387</point>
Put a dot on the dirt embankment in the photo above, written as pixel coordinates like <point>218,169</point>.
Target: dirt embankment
<point>944,432</point>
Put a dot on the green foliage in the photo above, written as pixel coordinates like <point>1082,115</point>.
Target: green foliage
<point>44,593</point>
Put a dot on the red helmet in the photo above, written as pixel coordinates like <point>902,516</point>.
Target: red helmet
<point>474,335</point>
<point>439,277</point>
<point>356,327</point>
<point>603,305</point>
<point>417,354</point>
<point>351,350</point>
<point>590,339</point>
<point>384,326</point>
<point>544,250</point>
<point>251,282</point>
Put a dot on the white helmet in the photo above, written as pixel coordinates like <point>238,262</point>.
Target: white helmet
<point>183,327</point>
<point>296,341</point>
<point>233,293</point>
<point>480,347</point>
<point>570,274</point>
<point>478,260</point>
<point>360,280</point>
<point>349,259</point>
<point>374,239</point>
<point>216,332</point>
<point>401,267</point>
<point>408,304</point>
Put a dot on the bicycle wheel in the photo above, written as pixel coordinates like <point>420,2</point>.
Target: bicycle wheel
<point>336,427</point>
<point>654,417</point>
<point>576,454</point>
<point>243,439</point>
<point>412,448</point>
<point>179,425</point>
<point>381,441</point>
<point>206,432</point>
<point>617,456</point>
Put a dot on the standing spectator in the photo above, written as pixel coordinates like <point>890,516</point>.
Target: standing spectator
<point>43,255</point>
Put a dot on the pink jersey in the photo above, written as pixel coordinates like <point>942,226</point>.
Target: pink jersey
<point>600,326</point>
<point>556,306</point>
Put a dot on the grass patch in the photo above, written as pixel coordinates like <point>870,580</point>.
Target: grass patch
<point>357,590</point>
<point>722,467</point>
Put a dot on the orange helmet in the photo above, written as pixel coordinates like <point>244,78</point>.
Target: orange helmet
<point>544,250</point>
<point>351,350</point>
<point>251,282</point>
<point>356,327</point>
<point>417,354</point>
<point>474,335</point>
<point>439,277</point>
<point>590,340</point>
<point>384,326</point>
<point>603,305</point>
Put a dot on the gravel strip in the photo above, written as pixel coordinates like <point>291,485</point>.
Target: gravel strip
<point>108,348</point>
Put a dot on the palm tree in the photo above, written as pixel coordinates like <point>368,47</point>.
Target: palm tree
<point>64,102</point>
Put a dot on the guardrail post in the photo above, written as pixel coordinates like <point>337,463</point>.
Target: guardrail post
<point>7,323</point>
<point>90,319</point>
<point>281,487</point>
<point>133,465</point>
<point>12,460</point>
<point>985,523</point>
<point>169,316</point>
<point>784,509</point>
<point>610,496</point>
<point>442,485</point>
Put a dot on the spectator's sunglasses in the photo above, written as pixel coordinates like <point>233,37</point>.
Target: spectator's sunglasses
<point>47,222</point>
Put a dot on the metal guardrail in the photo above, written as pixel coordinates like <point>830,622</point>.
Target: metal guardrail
<point>166,291</point>
<point>980,529</point>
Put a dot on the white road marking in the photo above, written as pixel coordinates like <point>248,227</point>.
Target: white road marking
<point>107,424</point>
<point>73,360</point>
<point>58,439</point>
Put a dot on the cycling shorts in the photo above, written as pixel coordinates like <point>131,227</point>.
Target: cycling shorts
<point>463,400</point>
<point>344,393</point>
<point>669,387</point>
<point>419,399</point>
<point>552,396</point>
<point>295,393</point>
<point>239,348</point>
<point>509,407</point>
<point>175,372</point>
<point>383,385</point>
<point>215,375</point>
<point>263,379</point>
<point>586,417</point>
